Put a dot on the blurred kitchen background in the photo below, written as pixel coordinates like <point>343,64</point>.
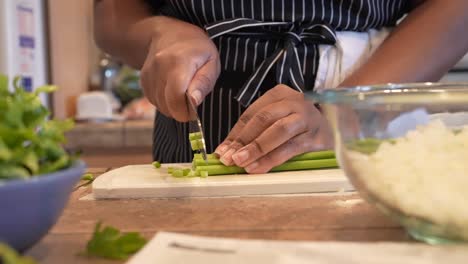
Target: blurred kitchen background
<point>51,41</point>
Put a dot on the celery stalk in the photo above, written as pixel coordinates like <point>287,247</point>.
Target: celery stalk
<point>287,166</point>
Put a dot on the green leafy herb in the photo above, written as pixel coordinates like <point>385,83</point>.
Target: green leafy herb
<point>30,144</point>
<point>10,256</point>
<point>108,242</point>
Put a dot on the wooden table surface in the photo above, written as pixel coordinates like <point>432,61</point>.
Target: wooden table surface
<point>339,217</point>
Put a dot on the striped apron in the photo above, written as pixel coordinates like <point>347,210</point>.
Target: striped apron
<point>261,43</point>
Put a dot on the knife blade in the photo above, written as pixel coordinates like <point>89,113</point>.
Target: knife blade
<point>195,125</point>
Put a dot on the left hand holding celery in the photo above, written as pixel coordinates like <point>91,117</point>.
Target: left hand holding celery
<point>213,166</point>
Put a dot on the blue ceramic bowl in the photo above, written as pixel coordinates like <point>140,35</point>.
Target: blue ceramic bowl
<point>29,208</point>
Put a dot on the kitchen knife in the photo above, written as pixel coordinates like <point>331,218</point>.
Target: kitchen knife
<point>195,125</point>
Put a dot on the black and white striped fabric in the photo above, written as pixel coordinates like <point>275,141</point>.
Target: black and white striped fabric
<point>261,43</point>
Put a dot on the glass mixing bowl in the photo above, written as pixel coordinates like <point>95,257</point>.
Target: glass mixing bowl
<point>405,149</point>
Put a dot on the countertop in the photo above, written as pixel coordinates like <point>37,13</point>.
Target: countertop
<point>319,217</point>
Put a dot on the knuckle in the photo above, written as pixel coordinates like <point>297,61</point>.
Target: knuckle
<point>276,92</point>
<point>158,56</point>
<point>302,125</point>
<point>283,127</point>
<point>291,148</point>
<point>291,144</point>
<point>166,56</point>
<point>230,138</point>
<point>258,147</point>
<point>281,91</point>
<point>245,118</point>
<point>204,82</point>
<point>264,116</point>
<point>237,143</point>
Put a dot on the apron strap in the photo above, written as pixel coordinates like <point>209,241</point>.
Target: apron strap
<point>285,57</point>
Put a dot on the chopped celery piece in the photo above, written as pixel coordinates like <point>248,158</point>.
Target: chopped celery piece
<point>87,177</point>
<point>178,173</point>
<point>201,162</point>
<point>186,172</point>
<point>196,144</point>
<point>195,136</point>
<point>156,164</point>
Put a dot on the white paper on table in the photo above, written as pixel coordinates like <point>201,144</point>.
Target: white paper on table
<point>181,249</point>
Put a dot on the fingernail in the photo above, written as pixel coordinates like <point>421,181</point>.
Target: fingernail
<point>226,159</point>
<point>251,167</point>
<point>240,157</point>
<point>196,95</point>
<point>221,150</point>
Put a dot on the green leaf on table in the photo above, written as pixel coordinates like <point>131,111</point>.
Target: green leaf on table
<point>10,256</point>
<point>88,178</point>
<point>109,242</point>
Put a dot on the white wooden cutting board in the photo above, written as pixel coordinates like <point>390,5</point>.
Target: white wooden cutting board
<point>144,181</point>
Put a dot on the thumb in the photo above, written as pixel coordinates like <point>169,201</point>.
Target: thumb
<point>204,80</point>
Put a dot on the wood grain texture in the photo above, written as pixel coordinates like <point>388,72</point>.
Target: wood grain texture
<point>313,217</point>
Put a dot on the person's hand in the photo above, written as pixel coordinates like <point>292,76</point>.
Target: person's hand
<point>181,58</point>
<point>278,126</point>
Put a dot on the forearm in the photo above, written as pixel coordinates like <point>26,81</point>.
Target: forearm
<point>124,29</point>
<point>422,48</point>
